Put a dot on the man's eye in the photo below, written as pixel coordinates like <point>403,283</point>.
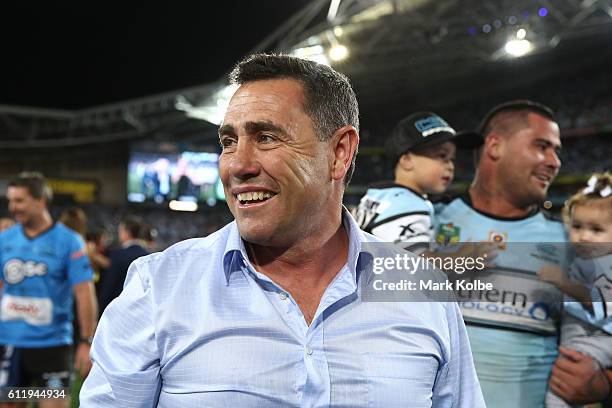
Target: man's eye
<point>263,138</point>
<point>226,142</point>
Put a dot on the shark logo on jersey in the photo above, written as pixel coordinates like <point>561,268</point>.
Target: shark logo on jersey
<point>448,234</point>
<point>16,270</point>
<point>412,230</point>
<point>368,210</point>
<point>604,284</point>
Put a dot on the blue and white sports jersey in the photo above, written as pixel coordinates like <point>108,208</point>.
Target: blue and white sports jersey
<point>397,214</point>
<point>596,274</point>
<point>38,275</point>
<point>512,333</point>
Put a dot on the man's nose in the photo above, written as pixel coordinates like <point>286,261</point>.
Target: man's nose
<point>553,160</point>
<point>244,162</point>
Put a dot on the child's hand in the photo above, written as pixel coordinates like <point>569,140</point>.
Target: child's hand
<point>486,250</point>
<point>552,274</point>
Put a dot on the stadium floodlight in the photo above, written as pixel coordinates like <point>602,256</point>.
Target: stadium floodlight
<point>518,48</point>
<point>338,52</point>
<point>521,34</point>
<point>314,53</point>
<point>183,205</point>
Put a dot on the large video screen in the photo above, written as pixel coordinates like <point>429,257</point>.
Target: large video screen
<point>186,176</point>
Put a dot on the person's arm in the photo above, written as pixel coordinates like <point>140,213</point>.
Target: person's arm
<point>125,357</point>
<point>97,259</point>
<point>554,275</point>
<point>87,313</point>
<point>409,230</point>
<point>578,379</point>
<point>456,383</point>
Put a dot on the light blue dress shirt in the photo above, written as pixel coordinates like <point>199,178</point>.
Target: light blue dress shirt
<point>197,326</point>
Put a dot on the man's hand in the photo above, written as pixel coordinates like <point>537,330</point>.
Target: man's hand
<point>577,378</point>
<point>82,362</point>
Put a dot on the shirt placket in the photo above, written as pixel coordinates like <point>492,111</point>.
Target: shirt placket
<point>313,386</point>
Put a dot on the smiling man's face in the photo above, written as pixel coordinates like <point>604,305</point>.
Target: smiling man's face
<point>275,170</point>
<point>530,160</point>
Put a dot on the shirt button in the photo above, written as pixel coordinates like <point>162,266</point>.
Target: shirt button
<point>308,351</point>
<point>283,296</point>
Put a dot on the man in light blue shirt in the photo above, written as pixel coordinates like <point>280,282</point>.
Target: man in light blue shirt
<point>268,311</point>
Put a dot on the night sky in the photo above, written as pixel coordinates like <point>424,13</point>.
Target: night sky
<point>73,55</point>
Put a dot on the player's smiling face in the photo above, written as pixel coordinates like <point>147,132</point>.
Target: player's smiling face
<point>22,206</point>
<point>274,169</point>
<point>531,160</point>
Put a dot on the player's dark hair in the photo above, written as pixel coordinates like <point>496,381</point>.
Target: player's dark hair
<point>94,234</point>
<point>329,99</point>
<point>133,225</point>
<point>149,233</point>
<point>35,183</point>
<point>510,115</point>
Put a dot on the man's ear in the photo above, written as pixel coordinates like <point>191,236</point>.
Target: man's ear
<point>493,146</point>
<point>344,143</point>
<point>42,202</point>
<point>405,162</point>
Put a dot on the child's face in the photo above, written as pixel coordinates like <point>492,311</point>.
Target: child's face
<point>591,222</point>
<point>434,167</point>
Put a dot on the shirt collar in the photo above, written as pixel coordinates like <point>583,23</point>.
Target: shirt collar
<point>235,256</point>
<point>133,242</point>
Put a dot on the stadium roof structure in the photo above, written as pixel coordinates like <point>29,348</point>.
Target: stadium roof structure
<point>396,49</point>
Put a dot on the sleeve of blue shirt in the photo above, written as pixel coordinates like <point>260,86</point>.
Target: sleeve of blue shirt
<point>126,371</point>
<point>456,384</point>
<point>79,268</point>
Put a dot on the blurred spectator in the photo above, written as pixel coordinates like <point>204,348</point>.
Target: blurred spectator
<point>131,248</point>
<point>96,249</point>
<point>149,236</point>
<point>6,223</point>
<point>96,245</point>
<point>75,219</point>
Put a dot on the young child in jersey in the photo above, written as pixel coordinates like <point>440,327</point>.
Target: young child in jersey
<point>587,319</point>
<point>421,149</point>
